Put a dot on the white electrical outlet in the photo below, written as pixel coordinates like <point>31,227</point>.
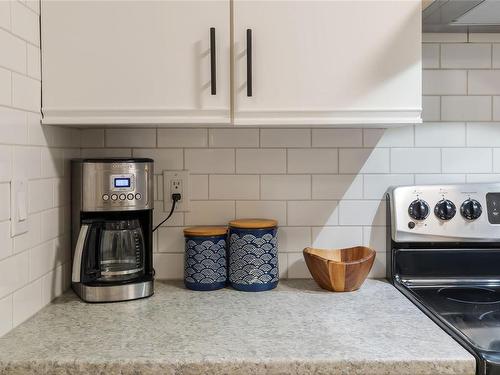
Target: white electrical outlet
<point>176,182</point>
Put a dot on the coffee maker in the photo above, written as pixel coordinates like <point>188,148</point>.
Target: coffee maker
<point>112,219</point>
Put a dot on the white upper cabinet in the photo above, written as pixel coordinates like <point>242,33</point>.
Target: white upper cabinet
<point>327,62</point>
<point>135,62</point>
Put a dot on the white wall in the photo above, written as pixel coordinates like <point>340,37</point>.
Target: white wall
<point>33,266</point>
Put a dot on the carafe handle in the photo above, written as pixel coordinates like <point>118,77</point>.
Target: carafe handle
<point>77,257</point>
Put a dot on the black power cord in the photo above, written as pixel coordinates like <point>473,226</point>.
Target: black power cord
<point>175,198</point>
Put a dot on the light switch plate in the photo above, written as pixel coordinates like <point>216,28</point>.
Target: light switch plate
<point>18,207</point>
<point>176,182</point>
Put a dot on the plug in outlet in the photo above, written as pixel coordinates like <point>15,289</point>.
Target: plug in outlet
<point>176,182</point>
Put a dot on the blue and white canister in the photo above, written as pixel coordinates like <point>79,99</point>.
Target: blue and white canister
<point>205,261</point>
<point>253,254</point>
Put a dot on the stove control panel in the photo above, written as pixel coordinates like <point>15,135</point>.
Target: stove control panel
<point>445,212</point>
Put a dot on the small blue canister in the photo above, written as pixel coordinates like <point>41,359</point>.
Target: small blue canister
<point>205,262</point>
<point>253,254</point>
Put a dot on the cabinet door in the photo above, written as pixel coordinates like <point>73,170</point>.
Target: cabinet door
<point>138,62</point>
<point>327,62</point>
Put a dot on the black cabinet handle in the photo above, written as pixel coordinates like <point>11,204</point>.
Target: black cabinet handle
<point>213,63</point>
<point>249,62</point>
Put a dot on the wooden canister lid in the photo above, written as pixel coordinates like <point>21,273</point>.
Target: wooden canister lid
<point>253,223</point>
<point>205,231</point>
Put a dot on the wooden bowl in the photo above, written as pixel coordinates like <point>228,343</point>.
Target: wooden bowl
<point>339,270</point>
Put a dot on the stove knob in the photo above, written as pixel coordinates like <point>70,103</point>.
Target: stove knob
<point>419,209</point>
<point>445,209</point>
<point>471,209</point>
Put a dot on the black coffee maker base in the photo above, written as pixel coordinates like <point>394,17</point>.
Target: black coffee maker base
<point>114,293</point>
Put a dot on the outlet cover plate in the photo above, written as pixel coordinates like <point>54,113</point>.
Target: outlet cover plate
<point>169,187</point>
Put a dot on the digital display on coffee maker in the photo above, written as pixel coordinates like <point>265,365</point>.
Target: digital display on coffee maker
<point>122,182</point>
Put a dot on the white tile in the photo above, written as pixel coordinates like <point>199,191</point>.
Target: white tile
<point>234,187</point>
<point>312,161</point>
<point>52,223</point>
<point>431,108</point>
<point>375,185</point>
<point>466,55</point>
<point>32,237</point>
<point>5,163</point>
<point>440,134</point>
<point>283,265</point>
<point>496,108</point>
<point>33,67</point>
<point>482,178</point>
<point>5,310</point>
<point>496,55</point>
<point>308,213</point>
<point>261,161</point>
<point>210,213</point>
<point>378,270</point>
<point>262,209</point>
<point>131,137</point>
<point>278,187</point>
<point>42,260</point>
<point>233,137</point>
<point>26,93</point>
<point>4,21</point>
<point>92,138</point>
<point>26,302</point>
<point>484,37</point>
<point>362,212</point>
<point>297,268</point>
<point>52,285</point>
<point>344,186</point>
<point>396,137</point>
<point>430,56</point>
<point>484,82</point>
<point>15,58</point>
<point>496,160</point>
<point>26,162</point>
<point>176,220</point>
<point>209,161</point>
<point>375,237</point>
<point>5,240</point>
<point>41,195</point>
<point>466,108</point>
<point>359,160</point>
<point>171,240</point>
<point>415,160</point>
<point>337,137</point>
<point>13,128</point>
<point>65,137</point>
<point>14,273</point>
<point>467,160</point>
<point>106,152</point>
<point>34,5</point>
<point>444,37</point>
<point>5,87</point>
<point>182,138</point>
<point>62,191</point>
<point>169,266</point>
<point>52,162</point>
<point>444,82</point>
<point>293,239</point>
<point>198,186</point>
<point>37,134</point>
<point>437,178</point>
<point>4,201</point>
<point>165,159</point>
<point>337,237</point>
<point>285,137</point>
<point>25,23</point>
<point>483,134</point>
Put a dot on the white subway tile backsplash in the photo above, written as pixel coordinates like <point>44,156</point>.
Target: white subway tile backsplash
<point>444,37</point>
<point>169,266</point>
<point>13,128</point>
<point>283,265</point>
<point>496,55</point>
<point>301,213</point>
<point>359,160</point>
<point>234,187</point>
<point>15,59</point>
<point>198,186</point>
<point>52,162</point>
<point>5,240</point>
<point>209,160</point>
<point>32,237</point>
<point>430,55</point>
<point>375,237</point>
<point>483,134</point>
<point>53,284</point>
<point>41,195</point>
<point>33,67</point>
<point>466,108</point>
<point>5,303</point>
<point>4,201</point>
<point>437,178</point>
<point>4,22</point>
<point>52,223</point>
<point>285,137</point>
<point>496,108</point>
<point>466,55</point>
<point>92,138</point>
<point>14,273</point>
<point>484,82</point>
<point>431,108</point>
<point>5,87</point>
<point>362,212</point>
<point>27,301</point>
<point>496,160</point>
<point>337,137</point>
<point>130,137</point>
<point>336,237</point>
<point>171,240</point>
<point>444,82</point>
<point>106,152</point>
<point>262,209</point>
<point>279,187</point>
<point>294,239</point>
<point>375,186</point>
<point>482,178</point>
<point>396,137</point>
<point>260,161</point>
<point>463,160</point>
<point>5,163</point>
<point>312,160</point>
<point>297,268</point>
<point>26,93</point>
<point>42,260</point>
<point>182,138</point>
<point>433,134</point>
<point>165,159</point>
<point>233,138</point>
<point>342,186</point>
<point>378,270</point>
<point>25,23</point>
<point>210,213</point>
<point>484,37</point>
